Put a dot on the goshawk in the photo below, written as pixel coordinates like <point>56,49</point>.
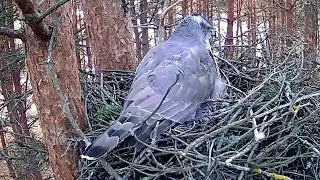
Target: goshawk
<point>170,84</point>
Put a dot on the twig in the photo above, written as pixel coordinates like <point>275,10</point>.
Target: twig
<point>31,14</point>
<point>161,29</point>
<point>247,149</point>
<point>310,145</point>
<point>201,139</point>
<point>51,9</point>
<point>12,33</point>
<point>309,96</point>
<point>109,169</point>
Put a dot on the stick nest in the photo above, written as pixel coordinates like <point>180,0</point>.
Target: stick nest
<point>267,124</point>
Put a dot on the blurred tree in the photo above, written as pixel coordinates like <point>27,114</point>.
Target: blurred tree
<point>229,36</point>
<point>252,26</point>
<point>311,37</point>
<point>290,21</point>
<point>144,22</point>
<point>137,39</point>
<point>110,33</point>
<point>11,64</point>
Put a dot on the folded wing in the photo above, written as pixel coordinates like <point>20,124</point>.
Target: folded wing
<point>167,89</point>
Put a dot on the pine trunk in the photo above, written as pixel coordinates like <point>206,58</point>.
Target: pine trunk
<point>110,34</point>
<point>56,128</point>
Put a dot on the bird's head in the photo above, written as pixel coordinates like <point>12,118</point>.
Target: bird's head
<point>196,25</point>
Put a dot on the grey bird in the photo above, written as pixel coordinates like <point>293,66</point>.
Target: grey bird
<point>171,83</point>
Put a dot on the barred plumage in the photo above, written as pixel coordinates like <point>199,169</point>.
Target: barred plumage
<point>170,84</point>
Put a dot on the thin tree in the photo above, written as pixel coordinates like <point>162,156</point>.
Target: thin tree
<point>144,22</point>
<point>229,37</point>
<point>311,37</point>
<point>11,87</point>
<point>290,20</point>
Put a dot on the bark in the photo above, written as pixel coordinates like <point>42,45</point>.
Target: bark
<point>4,145</point>
<point>76,24</point>
<point>110,35</point>
<point>250,22</point>
<point>282,17</point>
<point>57,130</point>
<point>21,105</point>
<point>211,9</point>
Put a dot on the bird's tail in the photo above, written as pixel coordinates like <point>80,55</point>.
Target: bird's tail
<point>115,134</point>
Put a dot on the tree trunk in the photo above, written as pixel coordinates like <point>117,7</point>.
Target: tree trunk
<point>229,38</point>
<point>144,21</point>
<point>57,130</point>
<point>290,18</point>
<point>252,27</point>
<point>137,39</point>
<point>239,36</point>
<point>310,38</point>
<point>272,25</point>
<point>184,7</point>
<point>171,14</point>
<point>110,34</point>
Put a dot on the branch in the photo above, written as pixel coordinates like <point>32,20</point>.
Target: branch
<point>32,15</point>
<point>12,33</point>
<point>162,18</point>
<point>166,11</point>
<point>52,9</point>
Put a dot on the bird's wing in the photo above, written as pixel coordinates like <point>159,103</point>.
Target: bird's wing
<point>162,93</point>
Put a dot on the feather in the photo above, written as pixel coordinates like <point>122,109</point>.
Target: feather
<point>170,83</point>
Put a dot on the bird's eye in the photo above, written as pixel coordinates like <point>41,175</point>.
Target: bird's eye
<point>208,29</point>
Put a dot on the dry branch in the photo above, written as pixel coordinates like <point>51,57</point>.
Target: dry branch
<point>161,29</point>
<point>51,9</point>
<point>32,15</point>
<point>12,33</point>
<point>34,18</point>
